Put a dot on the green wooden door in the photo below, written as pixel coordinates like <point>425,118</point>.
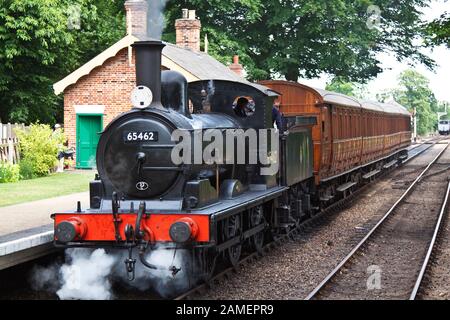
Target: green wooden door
<point>88,129</point>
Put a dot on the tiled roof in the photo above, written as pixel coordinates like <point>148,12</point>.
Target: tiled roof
<point>194,65</point>
<point>200,64</point>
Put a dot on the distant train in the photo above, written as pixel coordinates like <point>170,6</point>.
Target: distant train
<point>444,127</point>
<point>332,144</point>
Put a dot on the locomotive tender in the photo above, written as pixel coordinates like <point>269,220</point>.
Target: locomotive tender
<point>140,198</point>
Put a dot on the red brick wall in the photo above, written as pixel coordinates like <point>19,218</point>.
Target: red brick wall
<point>109,85</point>
<point>188,33</point>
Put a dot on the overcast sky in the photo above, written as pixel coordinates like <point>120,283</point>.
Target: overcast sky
<point>439,80</point>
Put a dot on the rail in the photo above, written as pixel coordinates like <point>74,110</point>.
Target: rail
<point>432,246</point>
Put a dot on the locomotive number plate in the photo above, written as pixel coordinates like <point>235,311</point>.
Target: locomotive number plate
<point>140,136</point>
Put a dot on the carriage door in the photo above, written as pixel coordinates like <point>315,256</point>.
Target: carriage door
<point>326,128</point>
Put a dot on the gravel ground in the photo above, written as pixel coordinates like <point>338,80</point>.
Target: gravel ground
<point>397,250</point>
<point>436,282</point>
<point>294,269</point>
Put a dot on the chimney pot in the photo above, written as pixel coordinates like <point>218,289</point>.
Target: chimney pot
<point>184,14</point>
<point>236,67</point>
<point>192,15</point>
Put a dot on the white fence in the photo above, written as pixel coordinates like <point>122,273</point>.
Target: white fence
<point>9,150</point>
<point>7,130</point>
<point>9,143</point>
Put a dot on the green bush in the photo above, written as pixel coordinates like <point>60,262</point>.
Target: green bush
<point>39,146</point>
<point>26,170</point>
<point>9,172</point>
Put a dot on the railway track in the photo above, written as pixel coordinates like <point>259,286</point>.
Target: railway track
<point>310,224</point>
<point>394,244</point>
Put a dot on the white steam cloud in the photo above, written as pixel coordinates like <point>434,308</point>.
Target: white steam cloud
<point>89,274</point>
<point>162,281</point>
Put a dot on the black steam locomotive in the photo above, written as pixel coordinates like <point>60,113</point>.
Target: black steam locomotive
<point>215,209</point>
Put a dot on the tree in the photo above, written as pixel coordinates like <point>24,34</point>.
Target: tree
<point>42,41</point>
<point>274,38</point>
<point>444,107</point>
<point>348,88</point>
<point>414,93</point>
<point>438,31</point>
<point>293,38</point>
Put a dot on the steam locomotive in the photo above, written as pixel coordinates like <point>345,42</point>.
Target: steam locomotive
<point>216,209</point>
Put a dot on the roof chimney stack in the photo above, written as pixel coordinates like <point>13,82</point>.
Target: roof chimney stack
<point>236,67</point>
<point>188,30</point>
<point>136,13</point>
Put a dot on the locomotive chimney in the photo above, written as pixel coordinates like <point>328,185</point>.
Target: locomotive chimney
<point>148,67</point>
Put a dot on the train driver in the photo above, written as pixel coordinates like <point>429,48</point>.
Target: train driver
<point>277,117</point>
<point>241,106</point>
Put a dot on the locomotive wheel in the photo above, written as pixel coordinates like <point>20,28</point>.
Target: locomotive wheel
<point>256,215</point>
<point>233,229</point>
<point>209,266</point>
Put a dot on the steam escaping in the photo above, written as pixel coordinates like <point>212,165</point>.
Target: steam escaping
<point>86,277</point>
<point>155,18</point>
<point>45,278</point>
<point>211,88</point>
<point>89,274</point>
<point>162,281</point>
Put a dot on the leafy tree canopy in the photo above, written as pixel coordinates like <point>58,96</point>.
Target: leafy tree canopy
<point>415,93</point>
<point>438,31</point>
<point>348,88</point>
<point>41,41</point>
<point>275,38</point>
<point>293,38</point>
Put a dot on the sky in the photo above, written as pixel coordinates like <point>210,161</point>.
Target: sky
<point>439,79</point>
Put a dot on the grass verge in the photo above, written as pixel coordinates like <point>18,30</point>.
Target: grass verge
<point>55,185</point>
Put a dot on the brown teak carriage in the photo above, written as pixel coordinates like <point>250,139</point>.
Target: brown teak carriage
<point>349,134</point>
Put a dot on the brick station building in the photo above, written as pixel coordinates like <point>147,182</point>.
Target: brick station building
<point>98,91</point>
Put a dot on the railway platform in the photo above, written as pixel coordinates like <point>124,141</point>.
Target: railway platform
<point>26,230</point>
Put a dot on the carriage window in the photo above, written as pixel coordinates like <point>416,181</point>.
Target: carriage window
<point>244,107</point>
